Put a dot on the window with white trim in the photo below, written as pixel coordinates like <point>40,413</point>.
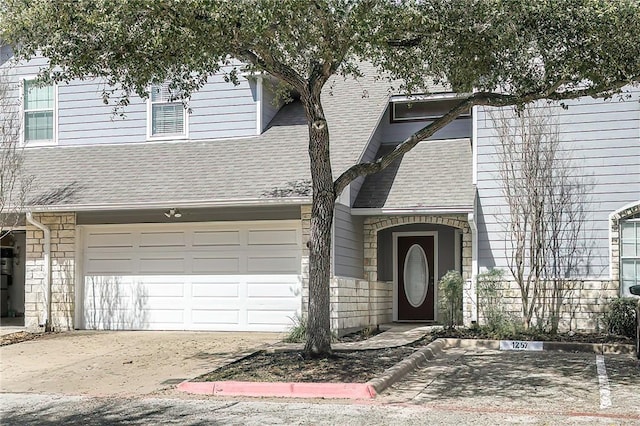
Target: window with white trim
<point>38,112</point>
<point>167,116</point>
<point>629,254</point>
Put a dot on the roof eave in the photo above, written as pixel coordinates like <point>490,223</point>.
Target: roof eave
<point>392,211</point>
<point>249,202</point>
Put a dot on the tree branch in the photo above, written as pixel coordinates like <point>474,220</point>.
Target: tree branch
<point>478,98</point>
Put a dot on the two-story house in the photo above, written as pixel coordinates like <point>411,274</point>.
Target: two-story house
<point>196,219</point>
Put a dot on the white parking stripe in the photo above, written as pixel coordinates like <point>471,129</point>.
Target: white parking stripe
<point>605,393</point>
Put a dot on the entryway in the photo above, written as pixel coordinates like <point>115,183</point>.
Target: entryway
<point>416,269</point>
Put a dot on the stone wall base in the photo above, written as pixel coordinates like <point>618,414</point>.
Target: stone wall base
<point>63,232</point>
<point>357,304</point>
<point>582,309</point>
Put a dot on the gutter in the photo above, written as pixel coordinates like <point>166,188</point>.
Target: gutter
<point>258,202</point>
<point>405,211</point>
<point>45,322</point>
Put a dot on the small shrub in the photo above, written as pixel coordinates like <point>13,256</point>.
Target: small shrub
<point>620,317</point>
<point>498,322</point>
<point>298,331</point>
<point>451,285</point>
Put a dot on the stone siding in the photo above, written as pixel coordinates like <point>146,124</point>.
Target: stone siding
<point>582,308</point>
<point>63,240</point>
<point>356,304</point>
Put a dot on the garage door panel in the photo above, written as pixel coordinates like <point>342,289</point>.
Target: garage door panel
<point>162,239</point>
<point>199,277</point>
<point>215,289</point>
<point>273,237</point>
<point>105,265</point>
<point>164,316</point>
<point>272,264</point>
<point>96,240</point>
<point>160,265</point>
<point>272,289</point>
<point>282,318</point>
<point>215,265</point>
<point>218,316</point>
<point>216,238</point>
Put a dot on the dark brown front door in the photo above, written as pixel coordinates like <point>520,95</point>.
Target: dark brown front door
<point>415,278</point>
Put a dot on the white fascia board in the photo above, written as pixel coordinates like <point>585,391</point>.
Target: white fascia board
<point>176,203</point>
<point>406,211</point>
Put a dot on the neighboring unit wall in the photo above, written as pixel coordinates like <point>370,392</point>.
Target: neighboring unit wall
<point>218,110</point>
<point>602,139</point>
<point>348,250</point>
<point>62,226</point>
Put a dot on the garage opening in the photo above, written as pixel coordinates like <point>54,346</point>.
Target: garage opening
<point>219,276</point>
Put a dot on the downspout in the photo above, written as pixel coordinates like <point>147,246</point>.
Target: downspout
<point>474,267</point>
<point>46,323</point>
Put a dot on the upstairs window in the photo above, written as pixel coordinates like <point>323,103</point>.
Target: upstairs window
<point>39,113</point>
<point>167,116</point>
<point>629,254</point>
<point>421,109</point>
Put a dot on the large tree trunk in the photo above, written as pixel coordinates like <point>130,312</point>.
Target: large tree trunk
<point>318,322</point>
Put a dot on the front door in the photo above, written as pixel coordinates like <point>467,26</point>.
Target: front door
<point>416,271</point>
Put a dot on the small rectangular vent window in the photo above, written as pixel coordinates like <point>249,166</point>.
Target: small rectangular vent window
<point>423,109</point>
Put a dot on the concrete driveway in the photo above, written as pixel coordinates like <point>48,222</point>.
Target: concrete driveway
<point>119,363</point>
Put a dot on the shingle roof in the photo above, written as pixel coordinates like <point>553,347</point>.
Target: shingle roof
<point>216,170</point>
<point>434,175</point>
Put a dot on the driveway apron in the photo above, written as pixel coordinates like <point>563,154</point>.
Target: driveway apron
<point>119,362</point>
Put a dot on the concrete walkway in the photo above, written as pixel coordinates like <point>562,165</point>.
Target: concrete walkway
<point>395,335</point>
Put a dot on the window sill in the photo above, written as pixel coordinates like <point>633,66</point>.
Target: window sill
<point>167,138</point>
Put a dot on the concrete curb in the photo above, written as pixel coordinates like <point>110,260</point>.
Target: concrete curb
<point>282,390</point>
<point>407,365</point>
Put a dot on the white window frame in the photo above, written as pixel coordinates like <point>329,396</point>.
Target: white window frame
<point>23,111</point>
<point>185,120</point>
<point>432,98</point>
<point>623,288</point>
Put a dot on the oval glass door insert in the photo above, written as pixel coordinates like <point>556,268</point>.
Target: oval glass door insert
<point>416,275</point>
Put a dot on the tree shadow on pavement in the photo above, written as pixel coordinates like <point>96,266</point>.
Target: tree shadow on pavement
<point>516,377</point>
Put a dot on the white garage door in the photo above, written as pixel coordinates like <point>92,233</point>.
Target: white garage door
<point>201,276</point>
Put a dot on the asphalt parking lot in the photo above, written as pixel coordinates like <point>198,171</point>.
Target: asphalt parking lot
<point>525,383</point>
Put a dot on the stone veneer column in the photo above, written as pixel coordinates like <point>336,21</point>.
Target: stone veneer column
<point>63,239</point>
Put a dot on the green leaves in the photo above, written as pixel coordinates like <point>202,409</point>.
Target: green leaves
<point>514,46</point>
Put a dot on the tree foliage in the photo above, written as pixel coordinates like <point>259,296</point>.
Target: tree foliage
<point>14,182</point>
<point>498,52</point>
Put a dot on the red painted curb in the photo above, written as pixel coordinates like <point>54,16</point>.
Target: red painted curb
<point>279,389</point>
